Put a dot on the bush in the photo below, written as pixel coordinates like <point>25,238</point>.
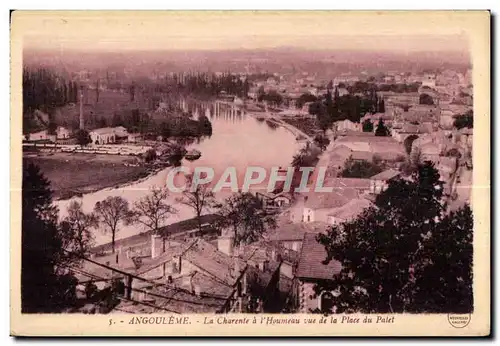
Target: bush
<point>150,155</point>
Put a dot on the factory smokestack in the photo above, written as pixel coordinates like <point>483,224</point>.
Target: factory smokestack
<point>82,124</point>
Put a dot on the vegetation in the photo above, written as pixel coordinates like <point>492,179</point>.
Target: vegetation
<point>272,97</point>
<point>360,169</point>
<point>426,99</point>
<point>83,137</point>
<point>464,120</point>
<point>112,212</point>
<point>46,285</point>
<point>44,90</point>
<point>381,129</point>
<point>77,227</point>
<point>408,143</point>
<point>367,126</point>
<point>305,98</point>
<point>198,197</point>
<point>152,211</point>
<point>245,216</point>
<point>351,107</point>
<point>306,157</point>
<point>404,255</point>
<point>367,87</point>
<point>150,155</point>
<point>321,141</point>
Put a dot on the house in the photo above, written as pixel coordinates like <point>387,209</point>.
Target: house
<point>275,200</point>
<point>379,182</point>
<point>290,235</point>
<point>134,137</point>
<point>347,125</point>
<point>349,211</point>
<point>318,205</point>
<point>311,270</point>
<point>105,135</point>
<point>62,133</point>
<point>40,136</point>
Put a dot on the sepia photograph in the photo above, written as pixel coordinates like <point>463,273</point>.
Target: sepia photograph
<point>253,168</point>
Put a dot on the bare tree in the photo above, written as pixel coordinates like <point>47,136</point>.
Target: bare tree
<point>77,227</point>
<point>198,199</point>
<point>111,212</point>
<point>245,215</point>
<point>153,210</point>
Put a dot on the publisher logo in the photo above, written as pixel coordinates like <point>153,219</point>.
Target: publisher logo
<point>459,320</point>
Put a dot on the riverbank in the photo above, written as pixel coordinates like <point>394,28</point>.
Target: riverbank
<point>73,175</point>
<point>306,125</point>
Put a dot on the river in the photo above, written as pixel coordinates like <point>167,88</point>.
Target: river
<point>239,140</point>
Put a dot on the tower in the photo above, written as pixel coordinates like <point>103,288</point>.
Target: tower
<point>82,124</point>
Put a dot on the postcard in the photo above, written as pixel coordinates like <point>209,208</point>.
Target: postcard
<point>250,173</point>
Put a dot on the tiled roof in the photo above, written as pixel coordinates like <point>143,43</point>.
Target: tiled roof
<point>327,200</point>
<point>165,257</point>
<point>386,175</point>
<point>362,155</point>
<point>311,257</point>
<point>221,266</point>
<point>352,209</point>
<point>294,231</point>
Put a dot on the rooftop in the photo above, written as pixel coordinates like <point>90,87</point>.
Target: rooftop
<point>311,259</point>
<point>386,175</point>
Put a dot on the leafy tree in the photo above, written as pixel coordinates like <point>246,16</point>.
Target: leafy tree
<point>117,120</point>
<point>77,225</point>
<point>360,169</point>
<point>245,216</point>
<point>403,255</point>
<point>83,137</point>
<point>205,126</point>
<point>306,157</point>
<point>305,98</point>
<point>102,122</point>
<point>152,211</point>
<point>199,199</point>
<point>381,129</point>
<point>112,212</point>
<point>464,120</point>
<point>321,141</point>
<point>46,285</point>
<point>408,143</point>
<point>150,155</point>
<point>381,106</point>
<point>426,99</point>
<point>367,126</point>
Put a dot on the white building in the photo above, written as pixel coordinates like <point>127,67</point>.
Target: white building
<point>62,133</point>
<point>105,135</point>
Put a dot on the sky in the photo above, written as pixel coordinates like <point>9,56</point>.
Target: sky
<point>191,30</point>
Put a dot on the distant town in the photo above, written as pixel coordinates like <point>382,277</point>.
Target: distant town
<point>396,142</point>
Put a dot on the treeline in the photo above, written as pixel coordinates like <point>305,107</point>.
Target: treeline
<point>179,125</point>
<point>367,87</point>
<point>464,120</point>
<point>352,107</point>
<point>45,90</point>
<point>206,84</point>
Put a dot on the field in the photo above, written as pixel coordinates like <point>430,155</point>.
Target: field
<point>74,174</point>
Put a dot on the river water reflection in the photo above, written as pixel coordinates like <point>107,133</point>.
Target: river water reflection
<point>239,140</point>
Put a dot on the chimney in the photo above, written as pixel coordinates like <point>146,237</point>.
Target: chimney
<point>82,124</point>
<point>156,246</point>
<point>197,290</point>
<point>225,244</point>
